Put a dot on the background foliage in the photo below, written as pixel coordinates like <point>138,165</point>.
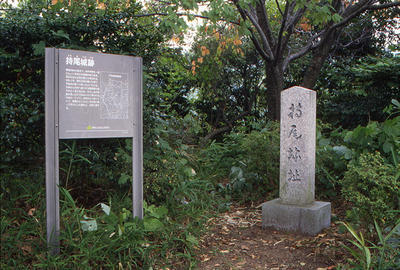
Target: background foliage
<point>207,140</point>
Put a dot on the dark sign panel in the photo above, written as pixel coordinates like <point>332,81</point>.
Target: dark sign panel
<point>97,93</point>
<point>90,95</point>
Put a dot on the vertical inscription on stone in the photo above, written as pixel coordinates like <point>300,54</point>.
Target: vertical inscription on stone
<point>297,158</point>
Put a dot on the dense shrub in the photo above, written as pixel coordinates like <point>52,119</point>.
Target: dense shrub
<point>166,238</point>
<point>246,166</point>
<point>352,94</point>
<point>382,137</point>
<point>330,164</point>
<point>337,147</point>
<point>26,31</point>
<point>261,156</point>
<point>21,113</point>
<point>373,187</point>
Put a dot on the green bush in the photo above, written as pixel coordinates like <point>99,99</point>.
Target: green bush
<point>330,164</point>
<point>337,147</point>
<point>382,137</point>
<point>28,29</point>
<point>373,188</point>
<point>382,254</point>
<point>244,163</point>
<point>354,93</point>
<point>261,156</point>
<point>216,160</point>
<point>105,234</point>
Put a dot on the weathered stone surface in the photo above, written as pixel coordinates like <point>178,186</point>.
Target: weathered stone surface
<point>296,210</point>
<point>297,158</point>
<point>306,219</point>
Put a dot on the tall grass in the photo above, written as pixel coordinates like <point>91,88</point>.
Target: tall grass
<point>167,237</point>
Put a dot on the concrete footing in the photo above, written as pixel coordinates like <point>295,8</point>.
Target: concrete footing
<point>308,219</point>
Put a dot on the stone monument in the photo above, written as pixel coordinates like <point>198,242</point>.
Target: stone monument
<point>296,210</point>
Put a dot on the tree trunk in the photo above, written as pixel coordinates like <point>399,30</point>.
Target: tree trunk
<point>274,85</point>
<point>318,59</point>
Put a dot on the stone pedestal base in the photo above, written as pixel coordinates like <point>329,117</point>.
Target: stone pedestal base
<point>309,219</point>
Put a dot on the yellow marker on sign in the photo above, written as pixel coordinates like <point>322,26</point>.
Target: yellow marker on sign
<point>89,127</point>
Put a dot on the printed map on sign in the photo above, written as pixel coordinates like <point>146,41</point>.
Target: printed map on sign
<point>114,96</point>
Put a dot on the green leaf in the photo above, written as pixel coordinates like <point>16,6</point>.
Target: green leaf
<point>324,142</point>
<point>82,158</point>
<point>368,257</point>
<point>152,224</point>
<point>379,232</point>
<point>60,33</point>
<point>191,239</point>
<point>68,196</point>
<point>396,103</point>
<point>353,252</point>
<point>396,230</point>
<point>352,231</point>
<point>164,144</point>
<point>387,147</point>
<point>336,18</point>
<point>343,151</point>
<point>38,48</point>
<point>124,178</point>
<point>158,212</point>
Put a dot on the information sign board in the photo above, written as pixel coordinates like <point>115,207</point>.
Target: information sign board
<point>90,95</point>
<point>96,94</point>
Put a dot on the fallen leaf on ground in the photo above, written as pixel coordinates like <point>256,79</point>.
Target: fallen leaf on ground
<point>31,211</point>
<point>205,259</point>
<point>278,242</point>
<point>27,249</point>
<point>245,247</point>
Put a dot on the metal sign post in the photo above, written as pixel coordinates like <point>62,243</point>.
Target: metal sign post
<point>52,164</point>
<point>90,95</point>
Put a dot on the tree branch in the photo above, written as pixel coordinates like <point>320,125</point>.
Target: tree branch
<point>279,7</point>
<point>258,46</point>
<point>264,40</point>
<point>181,14</point>
<point>290,28</point>
<point>223,129</point>
<point>354,10</point>
<point>253,37</point>
<point>282,29</point>
<point>385,5</point>
<point>264,20</point>
<point>310,45</point>
<point>214,133</point>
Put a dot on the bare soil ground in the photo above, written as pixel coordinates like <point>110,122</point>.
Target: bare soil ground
<point>236,240</point>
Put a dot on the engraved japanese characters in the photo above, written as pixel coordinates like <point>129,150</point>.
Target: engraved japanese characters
<point>297,164</point>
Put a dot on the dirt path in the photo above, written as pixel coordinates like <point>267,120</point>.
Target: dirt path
<point>237,241</point>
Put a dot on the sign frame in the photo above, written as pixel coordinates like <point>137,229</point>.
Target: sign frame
<point>52,137</point>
